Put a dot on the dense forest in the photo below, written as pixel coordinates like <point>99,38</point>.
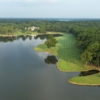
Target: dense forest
<point>88,41</point>
<point>87,34</point>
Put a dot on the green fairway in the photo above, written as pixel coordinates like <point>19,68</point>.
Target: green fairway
<point>93,80</point>
<point>69,66</point>
<point>67,49</point>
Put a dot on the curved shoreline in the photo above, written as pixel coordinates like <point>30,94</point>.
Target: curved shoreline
<point>81,84</point>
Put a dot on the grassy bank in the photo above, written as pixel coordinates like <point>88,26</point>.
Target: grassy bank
<point>69,55</point>
<point>91,80</point>
<point>17,34</point>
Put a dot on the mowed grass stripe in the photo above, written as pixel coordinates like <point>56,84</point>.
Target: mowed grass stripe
<point>68,50</point>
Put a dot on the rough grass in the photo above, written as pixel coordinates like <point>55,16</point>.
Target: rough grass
<point>93,80</point>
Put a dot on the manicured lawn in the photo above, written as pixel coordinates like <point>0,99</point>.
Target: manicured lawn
<point>67,49</point>
<point>69,66</point>
<point>93,80</point>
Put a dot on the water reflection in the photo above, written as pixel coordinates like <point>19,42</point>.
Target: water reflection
<point>24,37</point>
<point>42,37</point>
<point>11,39</point>
<point>7,39</point>
<point>51,59</point>
<point>90,72</point>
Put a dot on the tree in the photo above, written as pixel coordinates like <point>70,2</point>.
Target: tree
<point>86,56</point>
<point>42,30</point>
<point>98,58</point>
<point>51,42</point>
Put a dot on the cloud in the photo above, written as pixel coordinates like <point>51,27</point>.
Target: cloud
<point>42,54</point>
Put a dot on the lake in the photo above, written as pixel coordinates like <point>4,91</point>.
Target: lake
<point>26,74</point>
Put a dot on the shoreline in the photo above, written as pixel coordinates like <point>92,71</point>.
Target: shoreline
<point>18,35</point>
<point>81,84</point>
<point>24,34</point>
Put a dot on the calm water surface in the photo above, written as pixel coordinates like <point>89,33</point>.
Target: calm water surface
<point>24,75</point>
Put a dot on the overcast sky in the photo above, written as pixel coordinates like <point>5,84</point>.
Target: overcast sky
<point>50,8</point>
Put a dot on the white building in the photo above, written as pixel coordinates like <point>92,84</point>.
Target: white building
<point>33,28</point>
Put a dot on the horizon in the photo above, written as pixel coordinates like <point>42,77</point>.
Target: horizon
<point>41,18</point>
<point>54,19</point>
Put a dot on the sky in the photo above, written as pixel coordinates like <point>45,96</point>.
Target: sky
<point>49,8</point>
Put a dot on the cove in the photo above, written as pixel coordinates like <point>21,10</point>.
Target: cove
<point>24,74</point>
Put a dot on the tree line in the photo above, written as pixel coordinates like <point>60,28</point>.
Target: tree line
<point>88,41</point>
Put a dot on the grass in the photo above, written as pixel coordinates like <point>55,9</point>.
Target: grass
<point>67,49</point>
<point>53,33</point>
<point>17,33</point>
<point>69,60</point>
<point>69,66</point>
<point>43,48</point>
<point>93,80</point>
